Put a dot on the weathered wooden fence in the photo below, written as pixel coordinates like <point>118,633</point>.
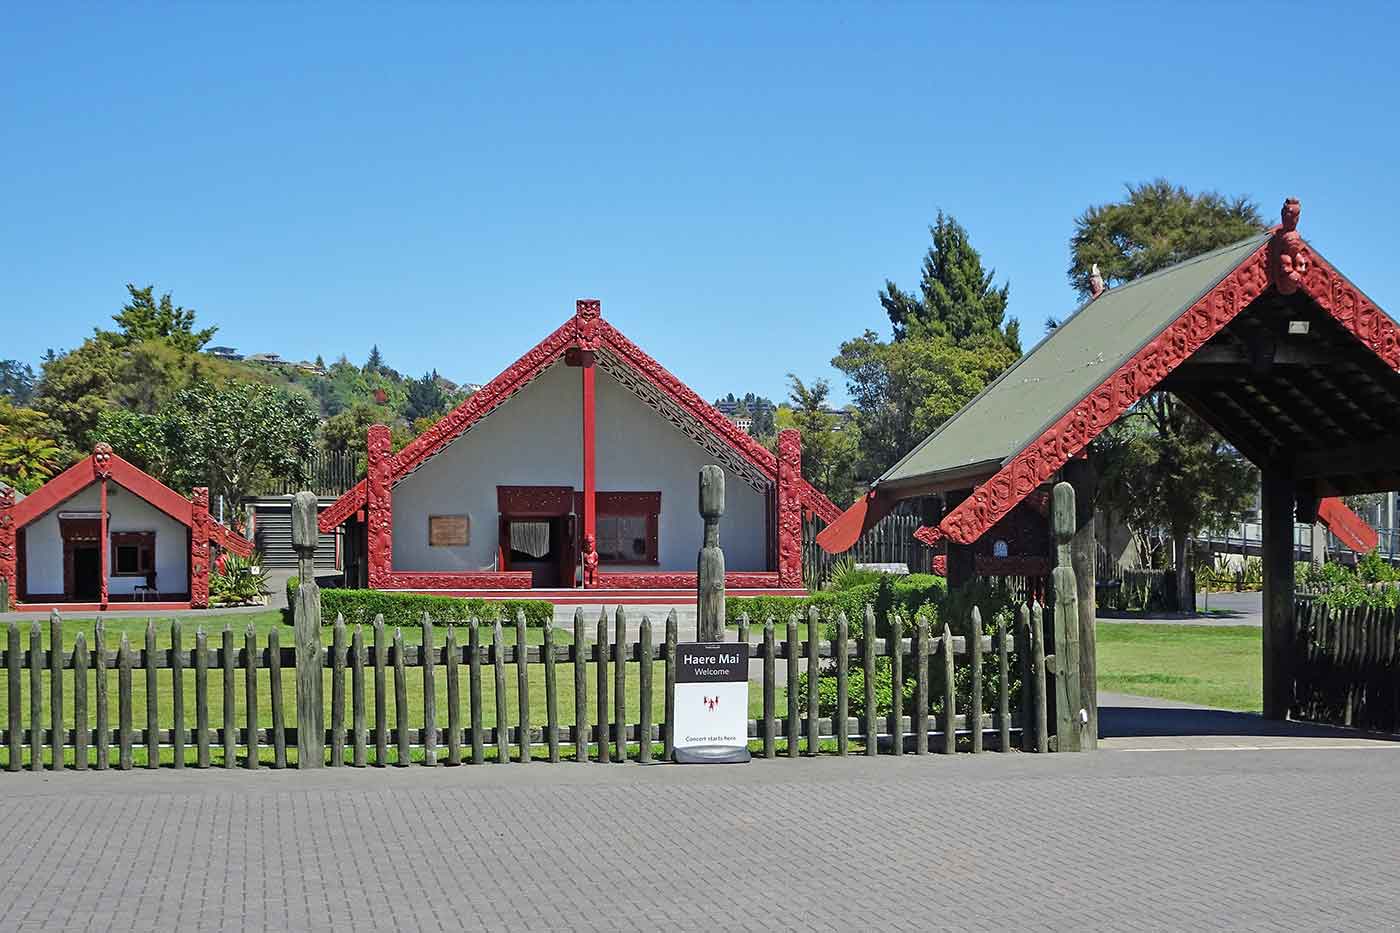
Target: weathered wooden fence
<point>1346,666</point>
<point>1141,590</point>
<point>240,678</point>
<point>891,541</point>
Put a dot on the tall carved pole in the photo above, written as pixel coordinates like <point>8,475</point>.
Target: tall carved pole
<point>9,556</point>
<point>199,548</point>
<point>1071,717</point>
<point>710,575</point>
<point>789,509</point>
<point>311,733</point>
<point>379,496</point>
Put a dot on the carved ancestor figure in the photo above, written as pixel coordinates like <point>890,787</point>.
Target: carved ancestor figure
<point>1288,254</point>
<point>590,560</point>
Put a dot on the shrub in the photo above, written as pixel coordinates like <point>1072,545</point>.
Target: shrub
<point>407,609</point>
<point>233,582</point>
<point>910,595</point>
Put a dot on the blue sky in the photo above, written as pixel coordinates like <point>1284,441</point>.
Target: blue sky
<point>734,182</point>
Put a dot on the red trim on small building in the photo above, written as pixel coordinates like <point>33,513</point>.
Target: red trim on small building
<point>104,466</point>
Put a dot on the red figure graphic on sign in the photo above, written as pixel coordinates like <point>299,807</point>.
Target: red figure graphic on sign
<point>711,702</point>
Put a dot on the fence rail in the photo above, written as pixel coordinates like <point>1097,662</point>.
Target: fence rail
<point>248,672</point>
<point>1346,667</point>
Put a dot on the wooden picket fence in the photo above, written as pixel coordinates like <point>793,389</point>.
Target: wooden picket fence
<point>1346,667</point>
<point>358,734</point>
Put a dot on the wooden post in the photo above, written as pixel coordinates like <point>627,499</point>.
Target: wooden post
<point>1038,716</point>
<point>274,683</point>
<point>620,683</point>
<point>1277,502</point>
<point>1080,474</point>
<point>1070,713</point>
<point>644,692</point>
<point>843,699</point>
<point>710,595</point>
<point>311,731</point>
<point>12,694</point>
<point>670,674</point>
<point>522,686</point>
<point>580,655</point>
<point>770,690</point>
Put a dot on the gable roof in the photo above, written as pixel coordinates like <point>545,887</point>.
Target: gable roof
<point>1121,345</point>
<point>1072,360</point>
<point>103,462</point>
<point>638,372</point>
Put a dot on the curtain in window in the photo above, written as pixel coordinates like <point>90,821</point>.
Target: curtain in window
<point>530,538</point>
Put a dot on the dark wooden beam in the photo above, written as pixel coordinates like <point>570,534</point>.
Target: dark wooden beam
<point>1347,461</point>
<point>1277,547</point>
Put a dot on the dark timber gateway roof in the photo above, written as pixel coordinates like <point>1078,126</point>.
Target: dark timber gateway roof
<point>1272,346</point>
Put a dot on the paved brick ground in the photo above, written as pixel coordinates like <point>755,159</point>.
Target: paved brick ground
<point>1276,840</point>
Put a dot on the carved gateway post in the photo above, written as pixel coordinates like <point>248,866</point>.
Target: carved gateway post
<point>199,548</point>
<point>311,735</point>
<point>379,507</point>
<point>790,509</point>
<point>9,553</point>
<point>710,568</point>
<point>1071,715</point>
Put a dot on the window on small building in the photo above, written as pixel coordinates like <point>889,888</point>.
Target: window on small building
<point>627,527</point>
<point>133,553</point>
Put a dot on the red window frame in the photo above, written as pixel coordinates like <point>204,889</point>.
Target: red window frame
<point>145,544</point>
<point>633,505</point>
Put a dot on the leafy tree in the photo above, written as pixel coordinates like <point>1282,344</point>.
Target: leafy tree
<point>1160,466</point>
<point>347,431</point>
<point>16,381</point>
<point>904,390</point>
<point>375,363</point>
<point>426,397</point>
<point>144,317</point>
<point>1157,225</point>
<point>956,298</point>
<point>27,461</point>
<point>230,438</point>
<point>950,340</point>
<point>828,448</point>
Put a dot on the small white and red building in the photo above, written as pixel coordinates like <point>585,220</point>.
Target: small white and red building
<point>103,534</point>
<point>574,472</point>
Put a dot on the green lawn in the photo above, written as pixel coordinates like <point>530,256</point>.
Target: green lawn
<point>1210,665</point>
<point>213,624</point>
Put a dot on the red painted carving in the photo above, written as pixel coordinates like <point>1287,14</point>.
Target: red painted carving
<point>929,535</point>
<point>1288,254</point>
<point>590,561</point>
<point>457,580</point>
<point>102,459</point>
<point>379,491</point>
<point>584,325</point>
<point>739,580</point>
<point>789,509</point>
<point>1037,462</point>
<point>200,523</point>
<point>229,540</point>
<point>1351,529</point>
<point>1333,293</point>
<point>534,501</point>
<point>588,312</point>
<point>9,548</point>
<point>939,565</point>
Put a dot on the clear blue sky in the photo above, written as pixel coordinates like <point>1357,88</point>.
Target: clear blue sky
<point>734,182</point>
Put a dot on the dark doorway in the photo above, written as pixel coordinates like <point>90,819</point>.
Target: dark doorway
<point>87,573</point>
<point>534,544</point>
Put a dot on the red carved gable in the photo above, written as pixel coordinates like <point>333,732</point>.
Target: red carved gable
<point>589,331</point>
<point>1284,262</point>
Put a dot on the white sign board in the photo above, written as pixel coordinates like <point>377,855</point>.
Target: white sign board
<point>712,702</point>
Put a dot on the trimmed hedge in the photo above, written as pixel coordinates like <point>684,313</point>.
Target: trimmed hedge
<point>917,593</point>
<point>406,609</point>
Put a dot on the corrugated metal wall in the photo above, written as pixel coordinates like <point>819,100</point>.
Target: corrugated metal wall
<point>272,535</point>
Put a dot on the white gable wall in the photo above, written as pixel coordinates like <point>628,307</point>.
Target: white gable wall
<point>536,439</point>
<point>43,543</point>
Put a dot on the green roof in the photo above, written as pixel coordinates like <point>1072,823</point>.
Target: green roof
<point>1072,361</point>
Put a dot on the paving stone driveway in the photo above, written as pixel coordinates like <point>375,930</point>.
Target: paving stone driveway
<point>1278,840</point>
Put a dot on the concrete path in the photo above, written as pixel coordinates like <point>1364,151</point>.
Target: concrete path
<point>1224,609</point>
<point>1262,840</point>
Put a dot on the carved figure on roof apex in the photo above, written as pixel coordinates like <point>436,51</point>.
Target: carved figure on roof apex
<point>588,312</point>
<point>102,458</point>
<point>1288,254</point>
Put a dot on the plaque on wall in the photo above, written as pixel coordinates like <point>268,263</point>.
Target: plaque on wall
<point>448,531</point>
